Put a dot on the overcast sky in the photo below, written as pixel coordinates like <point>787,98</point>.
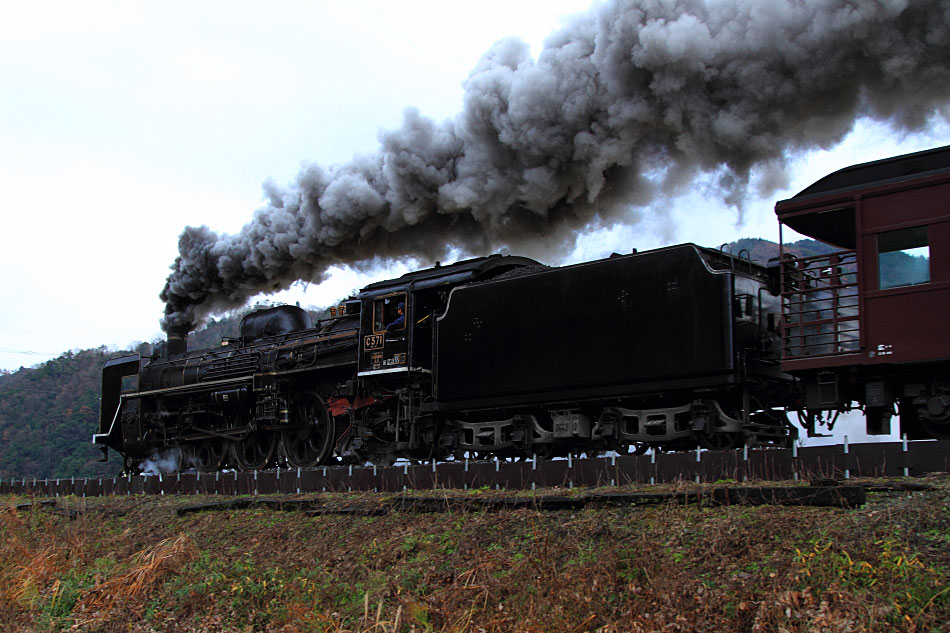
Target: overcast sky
<point>121,123</point>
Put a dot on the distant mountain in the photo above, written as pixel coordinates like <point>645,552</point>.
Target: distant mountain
<point>762,251</point>
<point>895,269</point>
<point>48,414</point>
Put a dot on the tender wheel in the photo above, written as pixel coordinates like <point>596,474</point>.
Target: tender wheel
<point>935,419</point>
<point>384,460</point>
<point>255,452</point>
<point>210,455</point>
<point>593,453</point>
<point>721,441</point>
<point>312,442</point>
<point>545,452</point>
<point>937,430</point>
<point>638,448</point>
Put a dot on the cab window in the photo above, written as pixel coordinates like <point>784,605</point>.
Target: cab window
<point>389,313</point>
<point>903,257</point>
<point>130,383</point>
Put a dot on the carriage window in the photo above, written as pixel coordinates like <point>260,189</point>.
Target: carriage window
<point>903,257</point>
<point>388,313</point>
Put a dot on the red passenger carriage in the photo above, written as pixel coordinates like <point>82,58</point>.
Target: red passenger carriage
<point>867,324</point>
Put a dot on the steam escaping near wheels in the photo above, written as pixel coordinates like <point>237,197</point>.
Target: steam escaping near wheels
<point>631,101</point>
<point>165,462</point>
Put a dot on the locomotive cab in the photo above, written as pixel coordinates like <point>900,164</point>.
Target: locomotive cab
<point>119,377</point>
<point>865,320</point>
<point>395,360</point>
<point>385,338</point>
<point>396,326</point>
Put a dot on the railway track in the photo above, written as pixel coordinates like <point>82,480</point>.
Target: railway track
<point>894,459</point>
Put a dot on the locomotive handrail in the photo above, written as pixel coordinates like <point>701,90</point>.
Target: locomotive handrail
<point>115,417</point>
<point>748,258</point>
<point>192,387</point>
<point>722,249</point>
<point>319,338</point>
<point>732,258</point>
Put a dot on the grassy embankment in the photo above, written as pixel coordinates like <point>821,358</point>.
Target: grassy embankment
<point>132,564</point>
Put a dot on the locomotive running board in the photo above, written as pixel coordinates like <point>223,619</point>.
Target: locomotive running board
<point>394,370</point>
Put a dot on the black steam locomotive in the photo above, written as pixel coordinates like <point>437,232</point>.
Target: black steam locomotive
<point>490,356</point>
<point>502,356</point>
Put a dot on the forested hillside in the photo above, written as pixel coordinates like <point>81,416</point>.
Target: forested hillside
<point>48,415</point>
<point>759,250</point>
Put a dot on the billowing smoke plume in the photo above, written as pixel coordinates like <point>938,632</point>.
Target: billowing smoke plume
<point>628,102</point>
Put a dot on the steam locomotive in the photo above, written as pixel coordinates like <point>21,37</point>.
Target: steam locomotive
<point>503,356</point>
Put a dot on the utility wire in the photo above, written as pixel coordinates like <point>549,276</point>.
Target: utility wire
<point>26,351</point>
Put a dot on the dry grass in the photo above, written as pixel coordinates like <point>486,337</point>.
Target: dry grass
<point>149,567</point>
<point>29,561</point>
<point>132,565</point>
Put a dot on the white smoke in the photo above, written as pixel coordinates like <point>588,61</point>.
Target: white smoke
<point>632,101</point>
<point>165,462</point>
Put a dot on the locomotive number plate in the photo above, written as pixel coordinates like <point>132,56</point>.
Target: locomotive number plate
<point>373,341</point>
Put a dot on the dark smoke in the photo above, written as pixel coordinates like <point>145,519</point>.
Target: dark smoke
<point>631,101</point>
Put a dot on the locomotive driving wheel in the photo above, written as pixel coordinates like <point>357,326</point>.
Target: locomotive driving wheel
<point>311,442</point>
<point>131,465</point>
<point>210,455</point>
<point>256,451</point>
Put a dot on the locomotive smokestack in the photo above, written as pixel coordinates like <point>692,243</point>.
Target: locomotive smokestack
<point>633,100</point>
<point>177,340</point>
